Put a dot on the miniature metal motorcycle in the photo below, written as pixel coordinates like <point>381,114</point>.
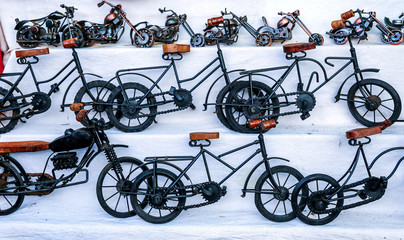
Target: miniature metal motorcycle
<point>285,26</point>
<point>16,183</point>
<point>318,198</point>
<point>169,33</point>
<point>224,27</point>
<point>113,28</point>
<point>30,33</point>
<point>363,25</point>
<point>397,24</point>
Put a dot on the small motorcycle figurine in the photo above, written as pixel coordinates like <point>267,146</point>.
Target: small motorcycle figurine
<point>220,27</point>
<point>30,33</point>
<point>285,26</point>
<point>169,33</point>
<point>113,28</point>
<point>363,25</point>
<point>396,24</point>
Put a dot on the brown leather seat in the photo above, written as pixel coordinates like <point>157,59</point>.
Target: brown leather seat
<point>298,47</point>
<point>24,146</point>
<point>31,52</point>
<point>176,48</point>
<point>203,135</point>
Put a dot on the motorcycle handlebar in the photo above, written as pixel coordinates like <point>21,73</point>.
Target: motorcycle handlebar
<point>401,15</point>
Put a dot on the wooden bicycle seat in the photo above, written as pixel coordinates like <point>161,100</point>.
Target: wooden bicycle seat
<point>176,48</point>
<point>203,135</point>
<point>31,52</point>
<point>24,146</point>
<point>364,132</point>
<point>298,47</point>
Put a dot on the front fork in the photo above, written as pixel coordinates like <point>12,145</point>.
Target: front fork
<point>266,163</point>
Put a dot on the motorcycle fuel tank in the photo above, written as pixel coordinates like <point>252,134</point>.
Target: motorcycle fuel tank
<point>112,18</point>
<point>73,139</point>
<point>56,15</point>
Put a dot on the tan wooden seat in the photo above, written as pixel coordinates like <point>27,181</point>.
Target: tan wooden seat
<point>203,135</point>
<point>176,48</point>
<point>23,146</point>
<point>298,47</point>
<point>364,132</point>
<point>31,52</point>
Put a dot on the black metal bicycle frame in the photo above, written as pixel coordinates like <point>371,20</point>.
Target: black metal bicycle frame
<point>179,81</point>
<point>203,152</point>
<point>54,87</point>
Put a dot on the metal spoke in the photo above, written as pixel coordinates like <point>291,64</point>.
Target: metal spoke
<point>276,207</point>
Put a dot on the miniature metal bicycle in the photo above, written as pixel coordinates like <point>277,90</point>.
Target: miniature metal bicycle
<point>16,183</point>
<point>158,195</point>
<point>370,101</point>
<point>132,107</point>
<point>318,198</point>
<point>13,101</point>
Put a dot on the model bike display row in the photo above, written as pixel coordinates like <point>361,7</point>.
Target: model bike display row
<point>133,107</point>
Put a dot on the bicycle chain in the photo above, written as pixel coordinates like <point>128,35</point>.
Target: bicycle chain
<point>332,190</point>
<point>200,186</point>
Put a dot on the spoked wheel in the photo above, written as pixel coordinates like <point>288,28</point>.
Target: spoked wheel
<point>244,104</point>
<point>263,40</point>
<point>317,39</point>
<point>28,37</point>
<point>317,207</point>
<point>126,113</point>
<point>163,205</point>
<point>340,36</point>
<point>74,32</point>
<point>10,181</point>
<point>220,108</point>
<point>145,40</point>
<point>372,101</point>
<point>272,204</point>
<point>111,188</point>
<point>100,90</point>
<point>395,37</point>
<point>8,109</point>
<point>198,40</point>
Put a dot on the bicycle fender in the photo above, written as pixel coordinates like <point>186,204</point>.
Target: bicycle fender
<point>11,84</point>
<point>168,164</point>
<point>337,97</point>
<point>254,169</point>
<point>20,24</point>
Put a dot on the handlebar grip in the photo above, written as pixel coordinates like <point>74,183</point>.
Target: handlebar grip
<point>280,13</point>
<point>81,115</point>
<point>62,5</point>
<point>75,107</point>
<point>347,15</point>
<point>337,24</point>
<point>401,15</point>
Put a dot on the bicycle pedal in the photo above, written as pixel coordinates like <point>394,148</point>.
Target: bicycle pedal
<point>304,116</point>
<point>224,191</point>
<point>171,91</point>
<point>192,106</point>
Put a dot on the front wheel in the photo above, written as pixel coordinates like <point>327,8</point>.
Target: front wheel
<point>263,40</point>
<point>321,205</point>
<point>162,204</point>
<point>74,32</point>
<point>10,181</point>
<point>100,91</point>
<point>395,37</point>
<point>144,39</point>
<point>372,101</point>
<point>198,40</point>
<point>112,190</point>
<point>273,204</point>
<point>244,104</point>
<point>317,39</point>
<point>126,112</point>
<point>9,111</point>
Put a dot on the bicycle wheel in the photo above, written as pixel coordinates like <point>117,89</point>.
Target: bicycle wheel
<point>74,32</point>
<point>316,207</point>
<point>100,90</point>
<point>372,101</point>
<point>246,104</point>
<point>10,181</point>
<point>109,187</point>
<point>128,115</point>
<point>151,186</point>
<point>277,207</point>
<point>220,109</point>
<point>6,125</point>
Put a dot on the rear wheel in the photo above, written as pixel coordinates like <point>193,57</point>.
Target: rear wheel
<point>8,109</point>
<point>26,38</point>
<point>198,40</point>
<point>340,36</point>
<point>263,40</point>
<point>10,181</point>
<point>372,101</point>
<point>145,39</point>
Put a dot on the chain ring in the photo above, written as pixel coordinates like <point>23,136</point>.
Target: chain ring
<point>215,190</point>
<point>305,101</point>
<point>186,98</point>
<point>41,102</point>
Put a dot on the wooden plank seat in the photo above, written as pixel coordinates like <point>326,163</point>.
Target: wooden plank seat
<point>365,132</point>
<point>298,47</point>
<point>31,52</point>
<point>23,146</point>
<point>176,48</point>
<point>203,135</point>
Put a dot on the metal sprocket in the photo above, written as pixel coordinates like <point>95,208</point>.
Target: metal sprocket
<point>41,102</point>
<point>182,98</point>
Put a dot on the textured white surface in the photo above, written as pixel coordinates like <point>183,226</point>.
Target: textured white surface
<point>317,144</point>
